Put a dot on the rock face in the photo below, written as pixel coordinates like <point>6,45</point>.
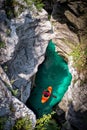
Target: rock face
<point>33,35</point>
<point>25,48</point>
<point>69,25</point>
<point>11,108</point>
<point>23,41</point>
<point>76,100</point>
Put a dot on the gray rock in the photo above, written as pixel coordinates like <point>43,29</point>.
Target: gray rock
<point>12,109</point>
<point>5,100</point>
<point>33,35</point>
<point>78,118</point>
<point>5,78</point>
<point>26,38</point>
<point>22,111</point>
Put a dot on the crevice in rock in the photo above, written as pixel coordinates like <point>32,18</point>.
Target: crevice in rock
<point>59,15</point>
<point>48,6</point>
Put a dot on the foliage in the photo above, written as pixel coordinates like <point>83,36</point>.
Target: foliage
<point>49,16</point>
<point>38,3</point>
<point>11,106</point>
<point>8,32</point>
<point>79,54</point>
<point>11,12</point>
<point>23,124</point>
<point>46,123</point>
<point>2,122</point>
<point>14,92</point>
<point>5,68</point>
<point>10,5</point>
<point>2,44</point>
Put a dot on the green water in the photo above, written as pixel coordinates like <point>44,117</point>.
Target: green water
<point>52,72</point>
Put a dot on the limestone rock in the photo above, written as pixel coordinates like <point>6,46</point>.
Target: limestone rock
<point>4,77</point>
<point>69,25</point>
<point>8,37</point>
<point>25,47</point>
<point>12,109</point>
<point>26,37</point>
<point>33,35</point>
<point>67,19</point>
<point>64,36</point>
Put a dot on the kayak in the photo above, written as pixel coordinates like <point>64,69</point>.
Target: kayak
<point>46,94</point>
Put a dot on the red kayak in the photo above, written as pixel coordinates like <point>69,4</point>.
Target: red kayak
<point>46,94</point>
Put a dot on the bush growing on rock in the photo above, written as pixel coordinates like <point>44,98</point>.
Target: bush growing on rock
<point>79,54</point>
<point>38,3</point>
<point>23,124</point>
<point>46,123</point>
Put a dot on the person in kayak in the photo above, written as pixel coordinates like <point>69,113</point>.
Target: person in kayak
<point>46,93</point>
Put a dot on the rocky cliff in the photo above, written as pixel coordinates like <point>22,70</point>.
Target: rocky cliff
<point>24,36</point>
<point>69,25</point>
<point>23,40</point>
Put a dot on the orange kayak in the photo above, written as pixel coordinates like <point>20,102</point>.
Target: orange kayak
<point>46,94</point>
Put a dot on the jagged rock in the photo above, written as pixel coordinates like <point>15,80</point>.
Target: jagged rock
<point>69,25</point>
<point>8,37</point>
<point>78,118</point>
<point>12,109</point>
<point>4,77</point>
<point>33,35</point>
<point>26,38</point>
<point>65,37</point>
<point>25,48</point>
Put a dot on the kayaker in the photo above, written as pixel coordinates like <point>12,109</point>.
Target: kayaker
<point>46,93</point>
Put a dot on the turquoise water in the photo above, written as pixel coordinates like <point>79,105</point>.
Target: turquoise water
<point>52,72</point>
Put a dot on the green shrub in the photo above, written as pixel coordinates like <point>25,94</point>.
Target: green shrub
<point>38,3</point>
<point>49,16</point>
<point>46,123</point>
<point>23,124</point>
<point>10,5</point>
<point>2,44</point>
<point>79,54</point>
